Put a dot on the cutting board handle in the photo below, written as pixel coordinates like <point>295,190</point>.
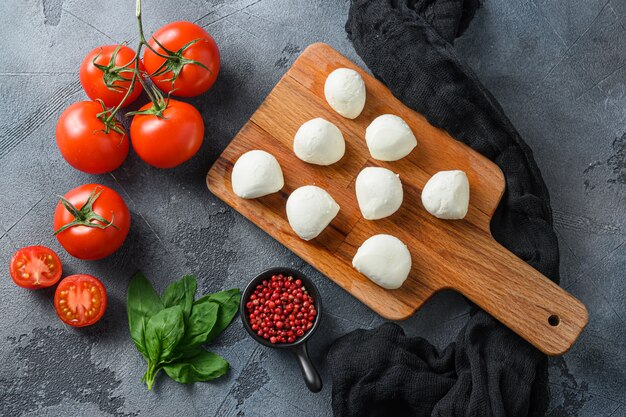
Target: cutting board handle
<point>523,299</point>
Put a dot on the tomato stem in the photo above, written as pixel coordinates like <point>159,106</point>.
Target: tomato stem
<point>86,216</point>
<point>174,63</point>
<point>142,38</point>
<point>110,123</point>
<point>111,72</point>
<point>136,73</point>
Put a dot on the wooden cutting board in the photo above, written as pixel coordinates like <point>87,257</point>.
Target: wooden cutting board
<point>460,255</point>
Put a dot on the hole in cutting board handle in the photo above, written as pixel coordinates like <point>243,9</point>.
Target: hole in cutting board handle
<point>554,320</point>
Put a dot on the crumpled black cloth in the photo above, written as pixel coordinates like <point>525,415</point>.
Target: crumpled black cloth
<point>488,371</point>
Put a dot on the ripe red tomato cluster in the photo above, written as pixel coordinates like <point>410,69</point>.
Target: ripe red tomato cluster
<point>79,300</point>
<point>182,59</point>
<point>92,221</point>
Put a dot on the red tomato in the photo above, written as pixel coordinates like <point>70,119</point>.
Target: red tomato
<point>80,300</point>
<point>192,79</point>
<point>83,143</point>
<point>98,226</point>
<point>94,80</point>
<point>35,267</point>
<point>168,141</point>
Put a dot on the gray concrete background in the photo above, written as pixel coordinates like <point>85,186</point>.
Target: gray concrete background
<point>558,68</point>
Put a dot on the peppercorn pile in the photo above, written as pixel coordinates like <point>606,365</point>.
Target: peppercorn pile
<point>281,310</point>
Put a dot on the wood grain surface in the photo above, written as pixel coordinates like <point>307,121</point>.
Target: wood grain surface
<point>460,255</point>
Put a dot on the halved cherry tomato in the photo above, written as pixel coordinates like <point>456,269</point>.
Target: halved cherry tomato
<point>94,80</point>
<point>80,300</point>
<point>84,143</point>
<point>192,79</point>
<point>35,267</point>
<point>168,141</point>
<point>91,221</point>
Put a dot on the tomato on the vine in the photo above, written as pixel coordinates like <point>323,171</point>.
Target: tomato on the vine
<point>80,300</point>
<point>91,221</point>
<point>170,139</point>
<point>35,267</point>
<point>86,143</point>
<point>104,76</point>
<point>186,44</point>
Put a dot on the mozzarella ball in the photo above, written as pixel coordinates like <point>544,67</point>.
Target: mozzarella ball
<point>379,192</point>
<point>319,142</point>
<point>389,138</point>
<point>345,92</point>
<point>446,195</point>
<point>385,260</point>
<point>309,210</point>
<point>255,174</point>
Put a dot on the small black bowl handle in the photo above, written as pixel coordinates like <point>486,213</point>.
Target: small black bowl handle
<point>309,373</point>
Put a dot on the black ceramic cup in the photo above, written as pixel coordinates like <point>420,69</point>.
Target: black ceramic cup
<point>309,373</point>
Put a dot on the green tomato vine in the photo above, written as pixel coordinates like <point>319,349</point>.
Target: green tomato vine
<point>174,63</point>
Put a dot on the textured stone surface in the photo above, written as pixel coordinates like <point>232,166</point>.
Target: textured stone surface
<point>557,67</point>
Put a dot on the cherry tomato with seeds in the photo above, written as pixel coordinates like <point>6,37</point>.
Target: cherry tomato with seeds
<point>35,267</point>
<point>80,300</point>
<point>170,140</point>
<point>186,43</point>
<point>86,143</point>
<point>103,77</point>
<point>91,221</point>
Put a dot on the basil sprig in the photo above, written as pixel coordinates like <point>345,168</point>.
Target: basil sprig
<point>169,330</point>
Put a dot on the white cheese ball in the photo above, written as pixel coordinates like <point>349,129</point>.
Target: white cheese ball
<point>319,142</point>
<point>345,92</point>
<point>255,174</point>
<point>379,192</point>
<point>389,138</point>
<point>385,260</point>
<point>309,210</point>
<point>446,195</point>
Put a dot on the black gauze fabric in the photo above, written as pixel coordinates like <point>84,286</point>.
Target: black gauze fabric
<point>488,370</point>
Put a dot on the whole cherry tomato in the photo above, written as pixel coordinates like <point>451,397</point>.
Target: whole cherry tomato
<point>35,267</point>
<point>80,300</point>
<point>169,140</point>
<point>103,77</point>
<point>187,44</point>
<point>86,143</point>
<point>91,221</point>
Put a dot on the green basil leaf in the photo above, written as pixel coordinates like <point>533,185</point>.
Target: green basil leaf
<point>189,353</point>
<point>228,305</point>
<point>181,293</point>
<point>204,366</point>
<point>163,332</point>
<point>226,296</point>
<point>201,321</point>
<point>142,302</point>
